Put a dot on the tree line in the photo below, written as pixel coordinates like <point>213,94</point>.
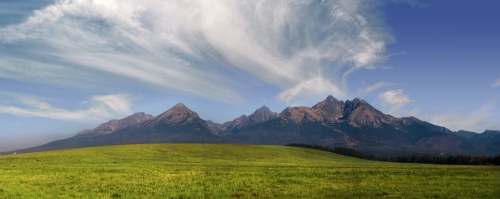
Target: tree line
<point>427,159</point>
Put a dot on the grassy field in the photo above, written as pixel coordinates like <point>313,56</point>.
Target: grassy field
<point>232,171</point>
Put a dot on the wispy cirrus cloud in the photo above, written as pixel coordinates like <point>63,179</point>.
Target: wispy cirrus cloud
<point>496,83</point>
<point>198,47</point>
<point>98,108</point>
<point>483,118</point>
<point>368,89</point>
<point>479,120</point>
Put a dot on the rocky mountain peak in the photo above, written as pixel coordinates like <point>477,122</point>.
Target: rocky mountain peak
<point>330,108</point>
<point>179,114</point>
<point>300,114</point>
<point>261,115</point>
<point>180,106</point>
<point>359,113</point>
<point>140,116</point>
<point>241,117</point>
<point>331,99</point>
<point>263,109</point>
<point>284,111</point>
<point>350,106</point>
<point>115,125</point>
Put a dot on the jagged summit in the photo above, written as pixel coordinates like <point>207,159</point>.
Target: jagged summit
<point>263,108</point>
<point>355,124</point>
<point>115,125</point>
<point>179,106</point>
<point>261,115</point>
<point>300,114</point>
<point>330,108</point>
<point>331,98</point>
<point>359,113</point>
<point>241,117</point>
<point>177,115</point>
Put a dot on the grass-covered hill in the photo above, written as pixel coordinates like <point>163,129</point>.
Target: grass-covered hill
<point>231,171</point>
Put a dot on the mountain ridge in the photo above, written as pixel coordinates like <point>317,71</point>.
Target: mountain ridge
<point>115,125</point>
<point>330,122</point>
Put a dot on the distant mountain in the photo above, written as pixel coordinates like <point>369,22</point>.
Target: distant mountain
<point>489,139</point>
<point>177,125</point>
<point>358,125</point>
<point>262,114</point>
<point>355,124</point>
<point>330,109</point>
<point>115,125</point>
<point>466,134</point>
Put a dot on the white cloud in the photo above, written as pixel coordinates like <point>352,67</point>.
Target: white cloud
<point>497,83</point>
<point>365,90</point>
<point>99,108</point>
<point>195,46</point>
<point>394,98</point>
<point>478,120</point>
<point>316,86</point>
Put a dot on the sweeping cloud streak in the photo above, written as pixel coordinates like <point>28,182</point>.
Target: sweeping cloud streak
<point>394,101</point>
<point>477,120</point>
<point>99,108</point>
<point>365,90</point>
<point>497,83</point>
<point>195,46</point>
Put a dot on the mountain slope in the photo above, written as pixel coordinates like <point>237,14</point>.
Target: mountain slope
<point>115,125</point>
<point>465,134</point>
<point>355,124</point>
<point>489,139</point>
<point>178,124</point>
<point>358,125</point>
<point>262,114</point>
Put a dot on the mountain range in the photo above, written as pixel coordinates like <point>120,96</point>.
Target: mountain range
<point>354,124</point>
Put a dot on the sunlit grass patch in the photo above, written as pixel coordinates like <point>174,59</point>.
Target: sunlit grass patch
<point>232,171</point>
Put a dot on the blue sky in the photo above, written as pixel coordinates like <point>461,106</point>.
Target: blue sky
<point>69,65</point>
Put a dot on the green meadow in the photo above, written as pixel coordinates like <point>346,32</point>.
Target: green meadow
<point>232,171</point>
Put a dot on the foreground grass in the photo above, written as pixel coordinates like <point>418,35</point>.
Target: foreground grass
<point>232,171</point>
